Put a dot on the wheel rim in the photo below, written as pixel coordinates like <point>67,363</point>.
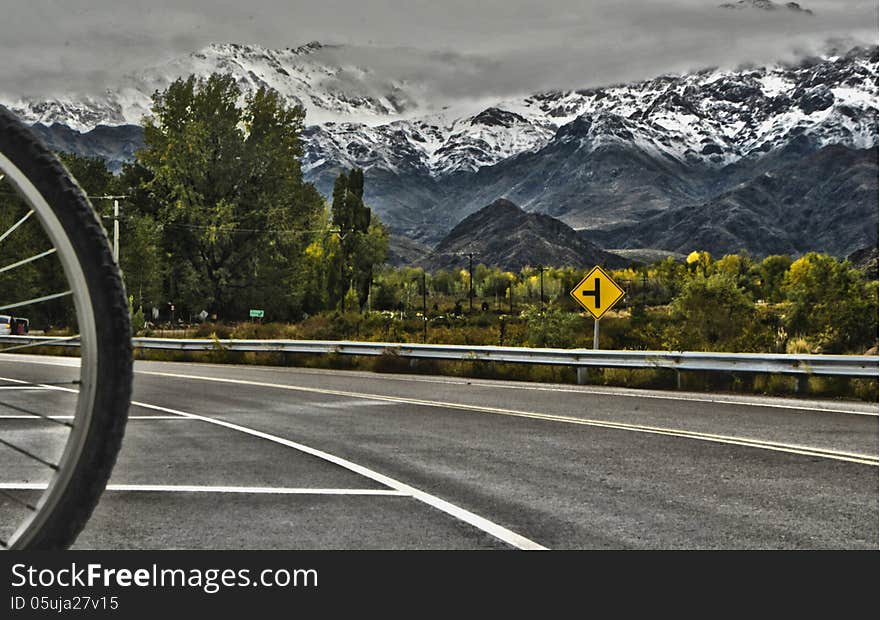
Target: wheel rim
<point>35,519</point>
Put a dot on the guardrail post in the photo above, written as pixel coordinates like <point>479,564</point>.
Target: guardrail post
<point>583,379</point>
<point>801,384</point>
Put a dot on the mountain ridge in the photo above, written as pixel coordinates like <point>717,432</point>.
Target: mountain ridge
<point>503,235</point>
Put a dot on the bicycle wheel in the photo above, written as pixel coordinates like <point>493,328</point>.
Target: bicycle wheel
<point>61,418</point>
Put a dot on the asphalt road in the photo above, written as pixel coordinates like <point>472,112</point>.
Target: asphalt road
<point>232,457</point>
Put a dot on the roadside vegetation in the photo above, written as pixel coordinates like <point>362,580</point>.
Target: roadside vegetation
<point>218,221</point>
<point>735,304</point>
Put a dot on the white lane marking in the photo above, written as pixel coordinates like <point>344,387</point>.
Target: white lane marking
<point>188,488</point>
<point>22,388</point>
<point>863,459</point>
<point>481,523</point>
<point>744,400</point>
<point>46,360</point>
<point>70,417</point>
<point>499,532</point>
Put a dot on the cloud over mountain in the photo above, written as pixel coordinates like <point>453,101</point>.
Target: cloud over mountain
<point>484,50</point>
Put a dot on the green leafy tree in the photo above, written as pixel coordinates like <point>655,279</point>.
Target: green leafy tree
<point>830,304</point>
<point>709,314</point>
<point>140,255</point>
<point>363,238</point>
<point>91,173</point>
<point>230,195</point>
<point>771,273</point>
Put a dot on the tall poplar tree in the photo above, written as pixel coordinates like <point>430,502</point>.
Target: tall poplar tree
<point>231,196</point>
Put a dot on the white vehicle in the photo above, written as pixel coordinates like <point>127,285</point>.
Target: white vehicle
<point>13,325</point>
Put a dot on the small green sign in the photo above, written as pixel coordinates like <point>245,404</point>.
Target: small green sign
<point>257,314</point>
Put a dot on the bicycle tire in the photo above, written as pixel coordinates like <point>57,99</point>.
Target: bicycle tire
<point>106,377</point>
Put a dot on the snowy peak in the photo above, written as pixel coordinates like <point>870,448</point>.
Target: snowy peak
<point>766,5</point>
<point>362,116</point>
<point>332,82</point>
<point>711,118</point>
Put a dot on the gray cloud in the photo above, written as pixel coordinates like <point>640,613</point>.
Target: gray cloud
<point>492,47</point>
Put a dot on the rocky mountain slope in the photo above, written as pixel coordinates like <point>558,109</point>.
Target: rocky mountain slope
<point>116,145</point>
<point>819,203</point>
<point>503,235</point>
<point>866,261</point>
<point>621,155</point>
<point>672,141</point>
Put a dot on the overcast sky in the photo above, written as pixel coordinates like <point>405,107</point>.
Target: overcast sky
<point>509,46</point>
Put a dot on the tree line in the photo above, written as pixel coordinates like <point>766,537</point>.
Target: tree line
<point>814,303</point>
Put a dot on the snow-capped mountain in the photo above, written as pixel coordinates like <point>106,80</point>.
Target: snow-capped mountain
<point>601,159</point>
<point>361,117</point>
<point>766,5</point>
<point>710,117</point>
<point>331,82</point>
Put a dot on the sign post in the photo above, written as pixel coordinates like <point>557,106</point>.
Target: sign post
<point>596,293</point>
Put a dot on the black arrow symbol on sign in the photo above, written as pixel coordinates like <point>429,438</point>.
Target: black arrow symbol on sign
<point>594,293</point>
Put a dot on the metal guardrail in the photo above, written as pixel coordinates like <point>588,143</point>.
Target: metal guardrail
<point>790,364</point>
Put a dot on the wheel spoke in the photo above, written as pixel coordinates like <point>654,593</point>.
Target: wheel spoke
<point>17,500</point>
<point>16,225</point>
<point>35,414</point>
<point>36,300</point>
<point>27,260</point>
<point>21,450</point>
<point>26,384</point>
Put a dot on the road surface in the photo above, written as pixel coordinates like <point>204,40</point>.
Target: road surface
<point>245,457</point>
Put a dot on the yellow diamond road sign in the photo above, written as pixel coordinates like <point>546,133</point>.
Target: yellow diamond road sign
<point>597,292</point>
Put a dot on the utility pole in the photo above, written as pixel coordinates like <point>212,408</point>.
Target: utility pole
<point>541,271</point>
<point>424,308</point>
<point>115,200</point>
<point>471,280</point>
<point>116,230</point>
